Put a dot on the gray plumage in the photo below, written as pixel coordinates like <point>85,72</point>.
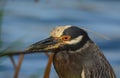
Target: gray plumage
<point>75,54</point>
<point>88,59</point>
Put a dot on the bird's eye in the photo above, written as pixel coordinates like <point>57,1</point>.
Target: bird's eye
<point>66,38</point>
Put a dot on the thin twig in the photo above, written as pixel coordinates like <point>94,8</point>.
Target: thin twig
<point>22,53</point>
<point>18,66</point>
<point>13,61</point>
<point>18,53</point>
<point>48,67</point>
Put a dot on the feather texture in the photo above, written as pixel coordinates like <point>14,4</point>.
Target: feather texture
<point>87,62</point>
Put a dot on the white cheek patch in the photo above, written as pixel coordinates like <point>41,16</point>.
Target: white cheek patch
<point>74,41</point>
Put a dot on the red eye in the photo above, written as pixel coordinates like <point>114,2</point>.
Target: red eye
<point>66,38</point>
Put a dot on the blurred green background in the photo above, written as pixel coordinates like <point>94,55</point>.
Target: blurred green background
<point>23,22</point>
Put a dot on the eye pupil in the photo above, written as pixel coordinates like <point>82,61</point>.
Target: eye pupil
<point>66,38</point>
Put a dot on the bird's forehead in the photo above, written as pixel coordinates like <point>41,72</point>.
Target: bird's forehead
<point>58,31</point>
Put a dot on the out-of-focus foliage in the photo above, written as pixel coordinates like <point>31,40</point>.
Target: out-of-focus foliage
<point>1,14</point>
<point>2,4</point>
<point>14,46</point>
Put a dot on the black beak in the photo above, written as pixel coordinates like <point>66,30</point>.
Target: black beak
<point>43,45</point>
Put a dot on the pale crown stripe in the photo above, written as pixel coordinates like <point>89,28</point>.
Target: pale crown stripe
<point>58,31</point>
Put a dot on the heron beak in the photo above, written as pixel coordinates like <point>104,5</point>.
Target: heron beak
<point>44,45</point>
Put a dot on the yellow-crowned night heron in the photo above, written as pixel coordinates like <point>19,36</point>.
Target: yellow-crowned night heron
<point>75,54</point>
